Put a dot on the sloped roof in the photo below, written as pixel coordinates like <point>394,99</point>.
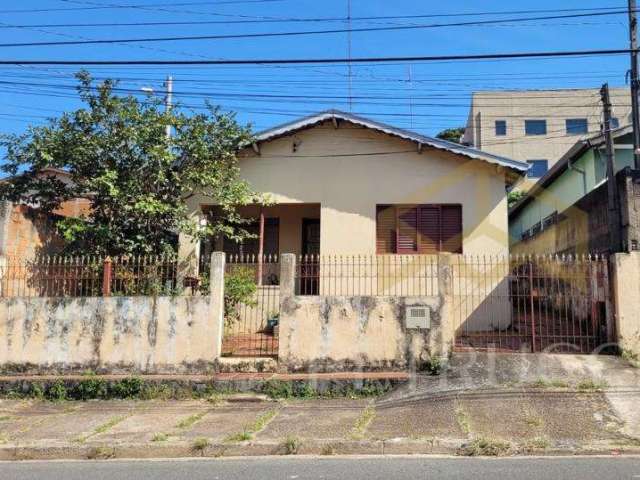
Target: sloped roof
<point>305,122</point>
<point>561,166</point>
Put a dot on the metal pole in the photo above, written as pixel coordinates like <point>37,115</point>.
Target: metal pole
<point>261,246</point>
<point>612,201</point>
<point>168,101</point>
<point>635,83</point>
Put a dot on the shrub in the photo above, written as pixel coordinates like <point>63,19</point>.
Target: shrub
<point>239,288</point>
<point>57,391</point>
<point>127,388</point>
<point>91,388</point>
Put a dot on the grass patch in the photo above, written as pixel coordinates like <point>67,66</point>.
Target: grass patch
<point>249,430</point>
<point>4,418</point>
<point>191,420</point>
<point>200,444</point>
<point>631,357</point>
<point>533,421</point>
<point>462,417</point>
<point>102,428</point>
<point>536,444</point>
<point>589,385</point>
<point>329,449</point>
<point>485,447</point>
<point>291,445</point>
<point>362,423</point>
<point>101,453</point>
<point>544,383</point>
<point>160,437</point>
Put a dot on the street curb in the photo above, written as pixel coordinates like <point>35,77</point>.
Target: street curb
<point>400,446</point>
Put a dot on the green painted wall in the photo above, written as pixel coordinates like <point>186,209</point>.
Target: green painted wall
<point>568,188</point>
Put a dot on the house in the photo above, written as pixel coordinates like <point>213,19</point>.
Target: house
<point>25,231</point>
<point>342,184</point>
<point>566,211</point>
<point>539,126</point>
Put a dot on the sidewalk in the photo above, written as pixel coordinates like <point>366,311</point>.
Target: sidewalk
<point>504,422</point>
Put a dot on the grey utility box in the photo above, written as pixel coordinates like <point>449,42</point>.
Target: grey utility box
<point>417,317</point>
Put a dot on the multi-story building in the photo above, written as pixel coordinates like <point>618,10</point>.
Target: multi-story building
<point>539,126</point>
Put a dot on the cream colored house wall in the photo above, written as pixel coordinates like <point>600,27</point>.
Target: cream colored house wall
<point>554,106</point>
<point>350,170</point>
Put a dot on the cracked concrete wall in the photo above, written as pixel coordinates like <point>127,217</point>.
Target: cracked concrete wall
<point>344,333</point>
<point>108,335</point>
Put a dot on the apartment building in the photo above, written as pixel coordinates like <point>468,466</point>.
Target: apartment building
<point>539,126</point>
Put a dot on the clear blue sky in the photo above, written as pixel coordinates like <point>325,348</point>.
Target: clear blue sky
<point>27,94</point>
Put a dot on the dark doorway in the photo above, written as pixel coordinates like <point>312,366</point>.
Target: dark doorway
<point>310,268</point>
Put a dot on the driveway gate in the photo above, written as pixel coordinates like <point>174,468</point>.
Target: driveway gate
<point>532,304</point>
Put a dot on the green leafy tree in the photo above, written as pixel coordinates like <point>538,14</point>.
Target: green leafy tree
<point>451,134</point>
<point>136,179</point>
<point>514,196</point>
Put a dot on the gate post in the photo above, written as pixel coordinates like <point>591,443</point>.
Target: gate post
<point>445,291</point>
<point>216,291</point>
<point>533,318</point>
<point>287,276</point>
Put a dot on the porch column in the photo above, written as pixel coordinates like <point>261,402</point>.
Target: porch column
<point>260,246</point>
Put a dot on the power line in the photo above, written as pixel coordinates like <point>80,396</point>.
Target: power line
<point>150,5</point>
<point>299,33</point>
<point>297,61</point>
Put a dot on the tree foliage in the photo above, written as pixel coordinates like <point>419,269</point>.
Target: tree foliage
<point>451,134</point>
<point>136,179</point>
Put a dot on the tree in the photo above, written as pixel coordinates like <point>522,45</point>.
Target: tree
<point>451,134</point>
<point>514,196</point>
<point>136,179</point>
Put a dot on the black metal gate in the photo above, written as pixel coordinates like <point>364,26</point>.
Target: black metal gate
<point>251,325</point>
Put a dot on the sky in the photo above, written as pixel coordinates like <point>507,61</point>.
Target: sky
<point>425,97</point>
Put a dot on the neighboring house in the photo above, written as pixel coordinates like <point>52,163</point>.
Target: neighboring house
<point>26,232</point>
<point>343,184</point>
<point>566,211</point>
<point>539,126</point>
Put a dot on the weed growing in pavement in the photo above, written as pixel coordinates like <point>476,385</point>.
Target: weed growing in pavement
<point>462,417</point>
<point>160,437</point>
<point>589,385</point>
<point>250,430</point>
<point>485,447</point>
<point>291,445</point>
<point>191,420</point>
<point>362,423</point>
<point>535,444</point>
<point>200,444</point>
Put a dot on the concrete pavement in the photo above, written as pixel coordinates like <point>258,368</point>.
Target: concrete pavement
<point>316,468</point>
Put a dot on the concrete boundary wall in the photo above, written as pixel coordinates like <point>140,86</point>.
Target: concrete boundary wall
<point>339,333</point>
<point>625,283</point>
<point>114,334</point>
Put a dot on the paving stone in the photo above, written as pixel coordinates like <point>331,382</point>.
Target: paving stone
<point>424,419</point>
<point>322,419</point>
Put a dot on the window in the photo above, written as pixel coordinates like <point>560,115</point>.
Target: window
<point>615,123</point>
<point>535,127</point>
<point>537,168</point>
<point>501,128</point>
<point>576,126</point>
<point>406,229</point>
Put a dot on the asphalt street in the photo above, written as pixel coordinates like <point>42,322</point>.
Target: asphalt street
<point>316,468</point>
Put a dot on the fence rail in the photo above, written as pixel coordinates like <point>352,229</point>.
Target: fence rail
<point>370,275</point>
<point>88,276</point>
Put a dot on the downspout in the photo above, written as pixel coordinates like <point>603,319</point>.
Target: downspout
<point>580,171</point>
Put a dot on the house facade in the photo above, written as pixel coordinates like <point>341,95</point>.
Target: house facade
<point>340,184</point>
<point>539,126</point>
<point>566,212</point>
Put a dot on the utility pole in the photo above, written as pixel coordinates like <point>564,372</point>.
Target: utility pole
<point>613,215</point>
<point>635,83</point>
<point>350,73</point>
<point>168,100</point>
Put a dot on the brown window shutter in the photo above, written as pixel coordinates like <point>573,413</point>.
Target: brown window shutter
<point>451,229</point>
<point>429,229</point>
<point>407,229</point>
<point>385,229</point>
